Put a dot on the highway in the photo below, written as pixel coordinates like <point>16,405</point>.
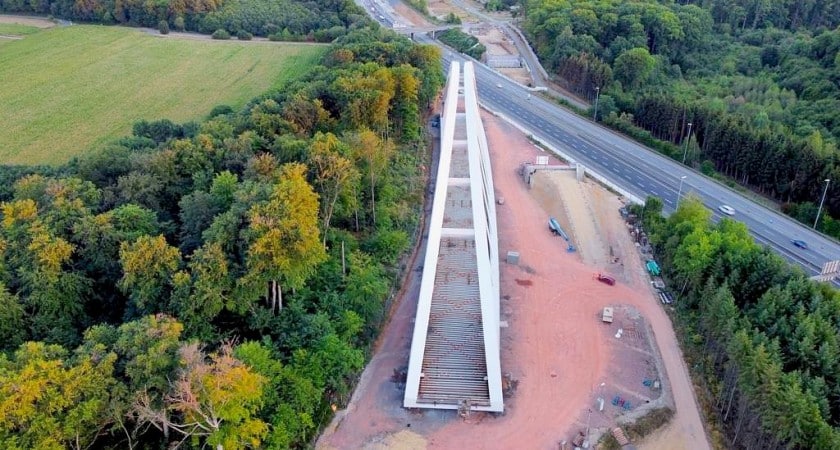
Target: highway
<point>639,170</point>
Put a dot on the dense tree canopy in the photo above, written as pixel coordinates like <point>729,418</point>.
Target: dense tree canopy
<point>757,81</point>
<point>764,337</point>
<point>319,20</point>
<point>215,284</point>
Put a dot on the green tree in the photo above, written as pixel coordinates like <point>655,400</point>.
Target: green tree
<point>13,329</point>
<point>633,67</point>
<point>290,400</point>
<point>208,290</point>
<point>366,288</point>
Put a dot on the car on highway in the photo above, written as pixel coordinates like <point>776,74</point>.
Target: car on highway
<point>498,85</point>
<point>726,209</point>
<point>800,243</point>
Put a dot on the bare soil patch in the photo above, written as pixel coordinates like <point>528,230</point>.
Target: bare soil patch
<point>27,20</point>
<point>410,14</point>
<point>498,43</point>
<point>441,9</point>
<point>564,198</point>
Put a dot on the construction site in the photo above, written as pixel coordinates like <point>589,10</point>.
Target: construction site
<point>521,357</point>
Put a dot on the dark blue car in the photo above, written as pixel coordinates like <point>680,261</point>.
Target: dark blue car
<point>800,244</point>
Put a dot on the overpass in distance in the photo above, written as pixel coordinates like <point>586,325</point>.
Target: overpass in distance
<point>455,349</point>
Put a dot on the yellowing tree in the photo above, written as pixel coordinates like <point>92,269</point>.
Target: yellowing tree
<point>286,244</point>
<point>148,264</point>
<point>48,403</point>
<point>369,98</point>
<point>373,155</point>
<point>406,112</point>
<point>305,115</point>
<point>213,399</point>
<point>335,174</point>
<point>50,253</point>
<point>19,211</point>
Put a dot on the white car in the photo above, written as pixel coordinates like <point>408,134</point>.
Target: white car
<point>726,209</point>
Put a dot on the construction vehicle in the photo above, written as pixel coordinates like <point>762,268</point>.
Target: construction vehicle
<point>653,268</point>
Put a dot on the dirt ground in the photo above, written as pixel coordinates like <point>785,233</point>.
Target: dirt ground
<point>500,44</point>
<point>441,9</point>
<point>491,36</point>
<point>409,14</point>
<point>39,22</point>
<point>555,346</point>
<point>572,210</point>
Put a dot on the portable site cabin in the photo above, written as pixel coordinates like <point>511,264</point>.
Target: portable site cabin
<point>608,315</point>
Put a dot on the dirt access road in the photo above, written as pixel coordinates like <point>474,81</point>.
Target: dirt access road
<point>32,21</point>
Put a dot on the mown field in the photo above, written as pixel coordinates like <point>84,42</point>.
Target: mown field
<point>65,91</point>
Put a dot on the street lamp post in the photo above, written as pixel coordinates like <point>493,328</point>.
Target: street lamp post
<point>687,140</point>
<point>679,192</point>
<point>597,95</point>
<point>819,210</point>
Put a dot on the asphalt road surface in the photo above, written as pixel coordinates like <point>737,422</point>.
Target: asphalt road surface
<point>639,170</point>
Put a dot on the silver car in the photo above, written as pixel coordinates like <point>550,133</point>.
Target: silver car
<point>726,209</point>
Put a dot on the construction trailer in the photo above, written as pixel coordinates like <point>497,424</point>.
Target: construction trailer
<point>607,316</point>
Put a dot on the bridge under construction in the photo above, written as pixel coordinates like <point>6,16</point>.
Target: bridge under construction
<point>454,361</point>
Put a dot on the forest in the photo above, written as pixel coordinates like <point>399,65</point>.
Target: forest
<point>743,88</point>
<point>761,338</point>
<point>286,20</point>
<point>216,283</point>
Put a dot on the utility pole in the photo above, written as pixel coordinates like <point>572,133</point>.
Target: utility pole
<point>597,95</point>
<point>687,140</point>
<point>821,203</point>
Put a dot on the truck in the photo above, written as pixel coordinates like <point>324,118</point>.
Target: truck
<point>607,316</point>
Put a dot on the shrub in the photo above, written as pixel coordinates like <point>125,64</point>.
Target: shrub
<point>462,42</point>
<point>707,167</point>
<point>179,23</point>
<point>387,245</point>
<point>220,110</point>
<point>243,35</point>
<point>220,34</point>
<point>649,423</point>
<point>163,27</point>
<point>453,19</point>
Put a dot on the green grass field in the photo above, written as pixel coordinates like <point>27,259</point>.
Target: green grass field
<point>66,91</point>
